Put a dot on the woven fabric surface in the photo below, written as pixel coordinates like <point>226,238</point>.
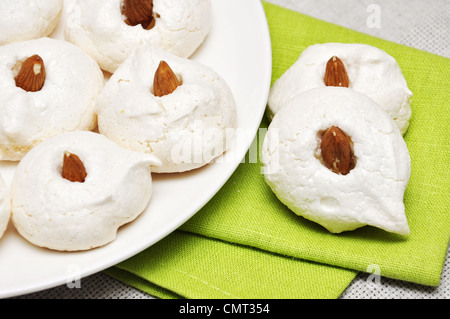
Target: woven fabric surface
<point>185,265</point>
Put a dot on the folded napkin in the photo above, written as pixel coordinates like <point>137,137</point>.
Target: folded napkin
<point>185,265</point>
<point>245,244</point>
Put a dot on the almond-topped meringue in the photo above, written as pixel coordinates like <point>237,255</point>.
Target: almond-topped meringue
<point>66,101</point>
<point>185,129</point>
<point>371,71</point>
<point>50,210</point>
<point>364,180</point>
<point>5,206</point>
<point>102,29</point>
<point>22,20</point>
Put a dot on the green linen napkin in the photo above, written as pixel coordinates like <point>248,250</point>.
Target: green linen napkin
<point>255,218</point>
<point>244,243</point>
<point>185,265</point>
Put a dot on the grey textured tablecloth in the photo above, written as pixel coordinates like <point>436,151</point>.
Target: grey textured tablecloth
<point>420,24</point>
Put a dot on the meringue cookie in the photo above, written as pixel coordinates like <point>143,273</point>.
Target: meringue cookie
<point>23,20</point>
<point>53,212</point>
<point>99,28</point>
<point>65,103</point>
<point>186,129</point>
<point>371,71</point>
<point>371,194</point>
<point>5,207</point>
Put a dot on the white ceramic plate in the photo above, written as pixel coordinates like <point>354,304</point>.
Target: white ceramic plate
<point>239,49</point>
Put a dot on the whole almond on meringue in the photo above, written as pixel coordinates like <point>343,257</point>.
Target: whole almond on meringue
<point>31,76</point>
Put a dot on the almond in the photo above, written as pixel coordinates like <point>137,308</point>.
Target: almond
<point>139,12</point>
<point>31,76</point>
<point>73,168</point>
<point>165,81</point>
<point>337,151</point>
<point>336,74</point>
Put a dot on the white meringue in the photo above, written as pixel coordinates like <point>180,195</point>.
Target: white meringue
<point>371,71</point>
<point>371,194</point>
<point>65,103</point>
<point>5,207</point>
<point>186,129</point>
<point>52,212</point>
<point>99,28</point>
<point>23,20</point>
